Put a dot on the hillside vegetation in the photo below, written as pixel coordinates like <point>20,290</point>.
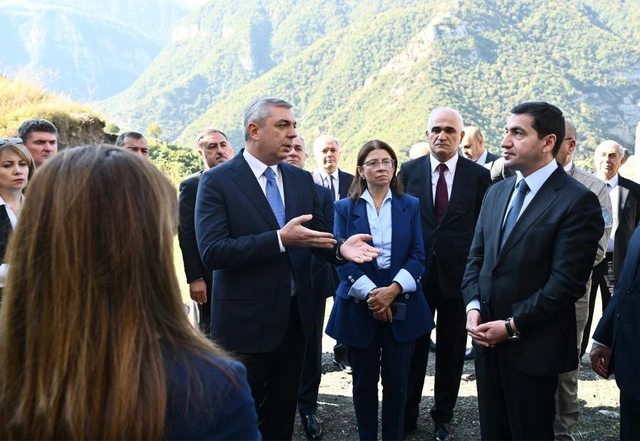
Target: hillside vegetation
<point>363,70</point>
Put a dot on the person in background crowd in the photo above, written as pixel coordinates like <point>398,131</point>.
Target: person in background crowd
<point>616,341</point>
<point>531,256</point>
<point>419,149</point>
<point>214,149</point>
<point>95,343</point>
<point>134,142</point>
<point>324,285</point>
<point>40,137</point>
<point>16,168</point>
<point>567,408</point>
<point>379,310</point>
<point>326,151</point>
<point>450,189</point>
<point>625,202</point>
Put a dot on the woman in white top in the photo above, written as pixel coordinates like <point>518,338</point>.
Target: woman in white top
<point>16,167</point>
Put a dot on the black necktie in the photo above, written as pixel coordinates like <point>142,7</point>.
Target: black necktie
<point>331,187</point>
<point>522,190</point>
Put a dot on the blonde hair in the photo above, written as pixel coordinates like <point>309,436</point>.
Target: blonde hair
<point>22,152</point>
<point>91,300</point>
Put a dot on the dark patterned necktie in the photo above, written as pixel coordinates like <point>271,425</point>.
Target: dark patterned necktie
<point>442,196</point>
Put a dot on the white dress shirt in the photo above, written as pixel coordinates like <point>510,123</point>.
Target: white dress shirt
<point>448,175</point>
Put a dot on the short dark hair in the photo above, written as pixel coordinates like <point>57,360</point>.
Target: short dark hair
<point>359,185</point>
<point>207,132</point>
<point>36,125</point>
<point>547,120</point>
<point>134,135</point>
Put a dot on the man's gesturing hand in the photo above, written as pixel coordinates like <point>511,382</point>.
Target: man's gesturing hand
<point>358,250</point>
<point>294,234</point>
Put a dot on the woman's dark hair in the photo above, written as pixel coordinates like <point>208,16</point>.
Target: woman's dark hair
<point>359,184</point>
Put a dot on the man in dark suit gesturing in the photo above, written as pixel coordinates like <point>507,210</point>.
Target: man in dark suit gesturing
<point>257,222</point>
<point>214,149</point>
<point>531,256</point>
<point>450,189</point>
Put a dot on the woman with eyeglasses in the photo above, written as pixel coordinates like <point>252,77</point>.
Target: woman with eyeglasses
<point>16,168</point>
<point>379,310</point>
<point>94,342</point>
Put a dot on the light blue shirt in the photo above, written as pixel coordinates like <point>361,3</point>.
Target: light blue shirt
<point>380,225</point>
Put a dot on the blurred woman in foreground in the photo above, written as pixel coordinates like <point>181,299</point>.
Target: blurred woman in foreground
<point>16,167</point>
<point>94,342</point>
<point>377,312</point>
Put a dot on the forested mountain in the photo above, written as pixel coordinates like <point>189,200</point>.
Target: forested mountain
<point>88,50</point>
<point>373,69</point>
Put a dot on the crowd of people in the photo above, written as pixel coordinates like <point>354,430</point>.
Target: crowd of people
<point>509,250</point>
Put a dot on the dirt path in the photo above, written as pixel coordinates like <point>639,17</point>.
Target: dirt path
<point>599,404</point>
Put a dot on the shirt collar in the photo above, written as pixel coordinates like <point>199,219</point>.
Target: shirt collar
<point>258,167</point>
<point>367,197</point>
<point>482,160</point>
<point>613,182</point>
<point>569,166</point>
<point>537,179</point>
<point>324,174</point>
<point>451,163</point>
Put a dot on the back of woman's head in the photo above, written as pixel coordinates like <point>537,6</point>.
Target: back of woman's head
<point>90,294</point>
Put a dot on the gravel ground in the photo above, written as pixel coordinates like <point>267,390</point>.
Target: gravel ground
<point>599,403</point>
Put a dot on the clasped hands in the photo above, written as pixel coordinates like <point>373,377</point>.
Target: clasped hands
<point>379,301</point>
<point>355,248</point>
<point>486,334</point>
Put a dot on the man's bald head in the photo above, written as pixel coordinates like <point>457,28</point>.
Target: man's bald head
<point>472,144</point>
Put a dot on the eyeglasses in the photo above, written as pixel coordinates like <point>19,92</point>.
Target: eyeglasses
<point>376,163</point>
<point>13,140</point>
<point>567,139</point>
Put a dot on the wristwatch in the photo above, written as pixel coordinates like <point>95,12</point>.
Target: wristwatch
<point>511,333</point>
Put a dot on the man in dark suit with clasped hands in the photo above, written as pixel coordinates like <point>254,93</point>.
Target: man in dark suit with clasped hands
<point>531,256</point>
<point>450,188</point>
<point>257,222</point>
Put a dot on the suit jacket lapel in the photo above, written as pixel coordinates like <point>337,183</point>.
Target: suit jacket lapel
<point>361,223</point>
<point>400,222</point>
<point>623,195</point>
<point>246,181</point>
<point>289,184</point>
<point>459,185</point>
<point>344,182</point>
<point>544,198</point>
<point>430,213</point>
<point>499,213</point>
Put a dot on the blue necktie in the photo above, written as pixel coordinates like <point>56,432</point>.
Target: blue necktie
<point>522,190</point>
<point>273,196</point>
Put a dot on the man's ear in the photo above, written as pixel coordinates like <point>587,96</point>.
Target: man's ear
<point>253,129</point>
<point>549,142</point>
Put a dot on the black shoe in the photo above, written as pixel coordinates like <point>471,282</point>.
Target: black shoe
<point>311,425</point>
<point>470,354</point>
<point>432,346</point>
<point>343,365</point>
<point>442,433</point>
<point>410,425</point>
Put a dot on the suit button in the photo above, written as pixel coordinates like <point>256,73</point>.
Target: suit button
<point>484,302</point>
<point>630,291</point>
<point>356,300</point>
<point>350,279</point>
<point>419,279</point>
<point>406,296</point>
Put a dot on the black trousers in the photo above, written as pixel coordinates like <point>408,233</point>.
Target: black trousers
<point>451,336</point>
<point>312,371</point>
<point>513,405</point>
<point>274,378</point>
<point>629,418</point>
<point>603,278</point>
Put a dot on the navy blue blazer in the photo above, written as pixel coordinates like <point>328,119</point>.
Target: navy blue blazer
<point>350,321</point>
<point>237,239</point>
<point>619,327</point>
<point>209,399</point>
